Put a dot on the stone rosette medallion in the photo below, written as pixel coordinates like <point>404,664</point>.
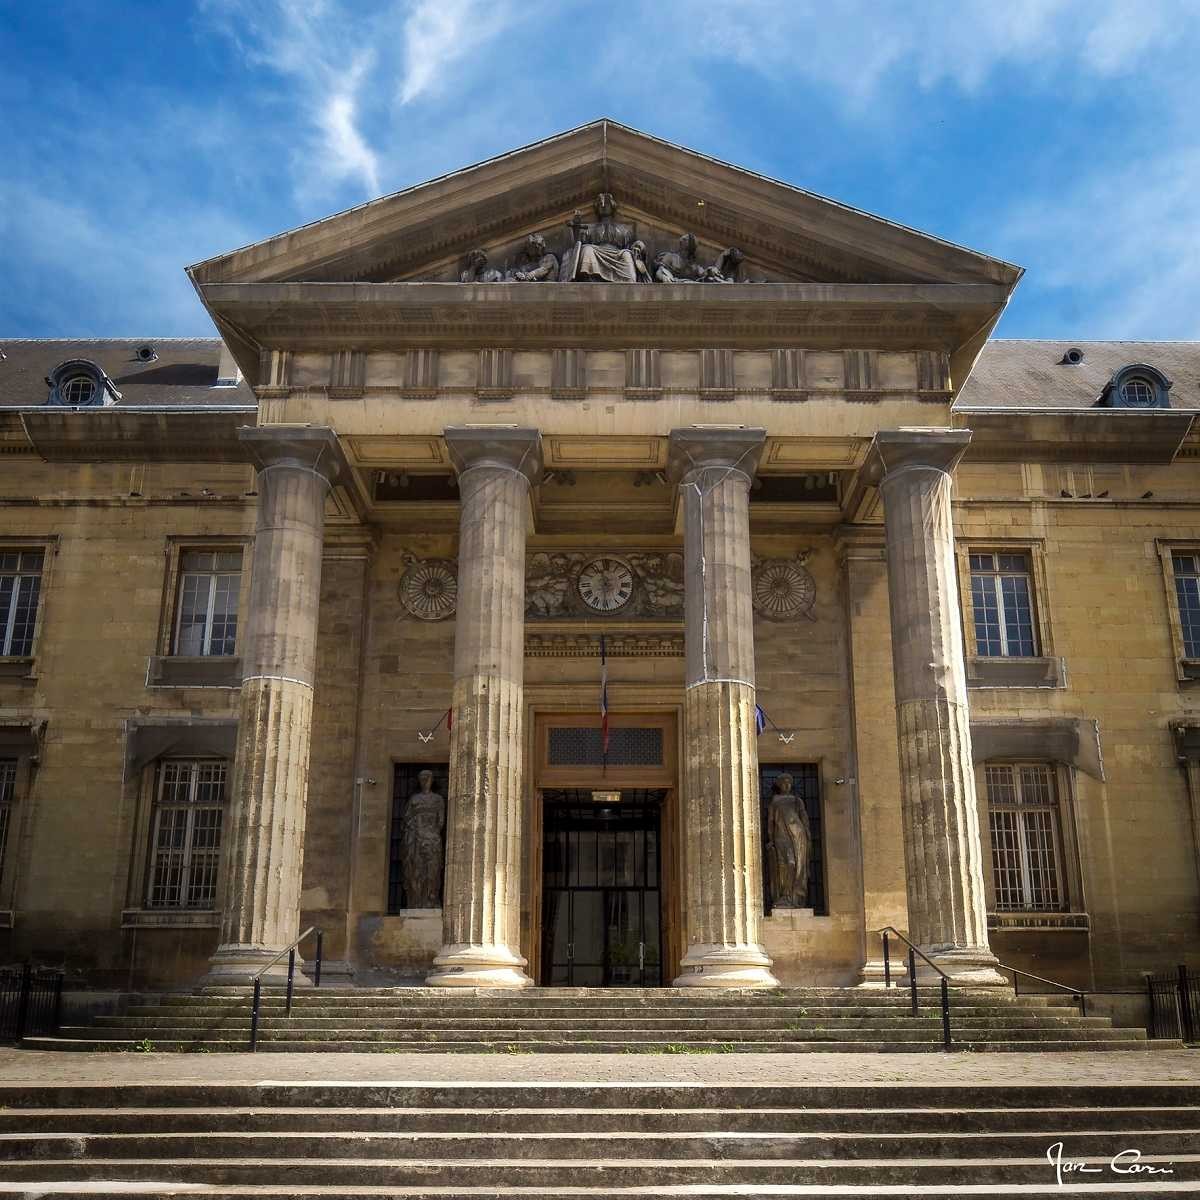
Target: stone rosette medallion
<point>783,589</point>
<point>429,589</point>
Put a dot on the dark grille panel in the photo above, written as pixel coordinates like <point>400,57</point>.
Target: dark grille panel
<point>627,747</point>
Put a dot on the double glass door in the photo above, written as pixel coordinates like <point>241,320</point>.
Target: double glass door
<point>601,924</point>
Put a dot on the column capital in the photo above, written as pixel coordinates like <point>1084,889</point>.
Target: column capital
<point>896,449</point>
<point>501,446</point>
<point>699,447</point>
<point>313,447</point>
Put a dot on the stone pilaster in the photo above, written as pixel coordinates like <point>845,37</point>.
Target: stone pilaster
<point>263,839</point>
<point>946,901</point>
<point>723,849</point>
<point>481,912</point>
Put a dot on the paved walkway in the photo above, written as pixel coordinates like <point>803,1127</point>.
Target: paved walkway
<point>933,1069</point>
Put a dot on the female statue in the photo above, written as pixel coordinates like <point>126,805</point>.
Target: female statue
<point>789,842</point>
<point>421,854</point>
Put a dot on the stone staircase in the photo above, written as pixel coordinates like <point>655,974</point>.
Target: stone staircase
<point>599,1141</point>
<point>594,1020</point>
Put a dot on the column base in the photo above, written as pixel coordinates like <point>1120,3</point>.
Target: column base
<point>871,975</point>
<point>233,965</point>
<point>970,967</point>
<point>478,966</point>
<point>718,965</point>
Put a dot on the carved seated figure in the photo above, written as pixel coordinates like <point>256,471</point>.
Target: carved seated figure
<point>535,262</point>
<point>603,249</point>
<point>476,269</point>
<point>679,266</point>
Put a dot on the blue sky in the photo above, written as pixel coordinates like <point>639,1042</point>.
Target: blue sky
<point>144,136</point>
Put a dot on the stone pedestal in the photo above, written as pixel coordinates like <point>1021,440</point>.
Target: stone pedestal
<point>723,852</point>
<point>946,900</point>
<point>263,839</point>
<point>482,911</point>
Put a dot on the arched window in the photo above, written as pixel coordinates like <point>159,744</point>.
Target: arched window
<point>79,389</point>
<point>1137,386</point>
<point>80,383</point>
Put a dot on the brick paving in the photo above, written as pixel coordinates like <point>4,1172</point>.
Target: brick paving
<point>933,1069</point>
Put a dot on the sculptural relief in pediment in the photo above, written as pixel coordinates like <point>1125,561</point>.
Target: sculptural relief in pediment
<point>611,247</point>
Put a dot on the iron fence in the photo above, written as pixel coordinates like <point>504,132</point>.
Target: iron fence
<point>1174,1004</point>
<point>30,1001</point>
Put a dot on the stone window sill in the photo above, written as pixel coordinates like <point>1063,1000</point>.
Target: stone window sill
<point>1069,922</point>
<point>1016,673</point>
<point>178,670</point>
<point>170,918</point>
<point>19,670</point>
<point>1189,670</point>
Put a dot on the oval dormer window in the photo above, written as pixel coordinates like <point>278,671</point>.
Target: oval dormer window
<point>1138,392</point>
<point>78,389</point>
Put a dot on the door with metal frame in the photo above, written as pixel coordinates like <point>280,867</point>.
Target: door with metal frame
<point>601,887</point>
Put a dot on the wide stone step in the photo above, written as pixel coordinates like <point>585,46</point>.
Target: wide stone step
<point>651,1173</point>
<point>530,1046</point>
<point>1132,1191</point>
<point>672,1146</point>
<point>499,1031</point>
<point>1108,1122</point>
<point>299,1020</point>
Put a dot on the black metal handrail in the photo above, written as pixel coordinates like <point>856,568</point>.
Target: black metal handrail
<point>1074,992</point>
<point>290,951</point>
<point>913,951</point>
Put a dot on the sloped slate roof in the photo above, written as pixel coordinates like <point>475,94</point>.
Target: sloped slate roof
<point>183,375</point>
<point>1013,373</point>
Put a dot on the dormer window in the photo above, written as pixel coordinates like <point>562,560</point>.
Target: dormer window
<point>80,383</point>
<point>1137,392</point>
<point>1137,386</point>
<point>79,389</point>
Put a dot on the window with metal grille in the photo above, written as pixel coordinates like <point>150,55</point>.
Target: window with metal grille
<point>583,746</point>
<point>1023,817</point>
<point>1002,600</point>
<point>20,585</point>
<point>806,783</point>
<point>8,787</point>
<point>209,583</point>
<point>1186,568</point>
<point>405,784</point>
<point>185,836</point>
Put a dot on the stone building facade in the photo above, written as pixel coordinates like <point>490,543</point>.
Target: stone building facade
<point>609,525</point>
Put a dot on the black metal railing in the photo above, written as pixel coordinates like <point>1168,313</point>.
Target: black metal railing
<point>290,951</point>
<point>913,951</point>
<point>30,1001</point>
<point>1073,992</point>
<point>1174,1005</point>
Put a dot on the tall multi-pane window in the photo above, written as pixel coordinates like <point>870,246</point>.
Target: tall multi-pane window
<point>8,785</point>
<point>1187,591</point>
<point>209,583</point>
<point>1022,800</point>
<point>185,836</point>
<point>1002,600</point>
<point>20,585</point>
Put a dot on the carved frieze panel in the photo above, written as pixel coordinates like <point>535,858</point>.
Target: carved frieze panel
<point>564,584</point>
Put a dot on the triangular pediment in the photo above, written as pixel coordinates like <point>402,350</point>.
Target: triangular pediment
<point>426,233</point>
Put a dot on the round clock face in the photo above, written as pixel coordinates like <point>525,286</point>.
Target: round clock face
<point>606,584</point>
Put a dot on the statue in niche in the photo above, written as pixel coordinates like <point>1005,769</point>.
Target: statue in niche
<point>477,270</point>
<point>535,262</point>
<point>422,854</point>
<point>789,843</point>
<point>602,249</point>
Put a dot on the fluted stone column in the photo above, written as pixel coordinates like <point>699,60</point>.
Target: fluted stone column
<point>263,839</point>
<point>723,850</point>
<point>481,912</point>
<point>947,910</point>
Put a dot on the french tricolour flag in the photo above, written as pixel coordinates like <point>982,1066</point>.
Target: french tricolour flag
<point>603,698</point>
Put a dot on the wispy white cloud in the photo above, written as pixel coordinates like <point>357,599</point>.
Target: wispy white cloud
<point>440,35</point>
